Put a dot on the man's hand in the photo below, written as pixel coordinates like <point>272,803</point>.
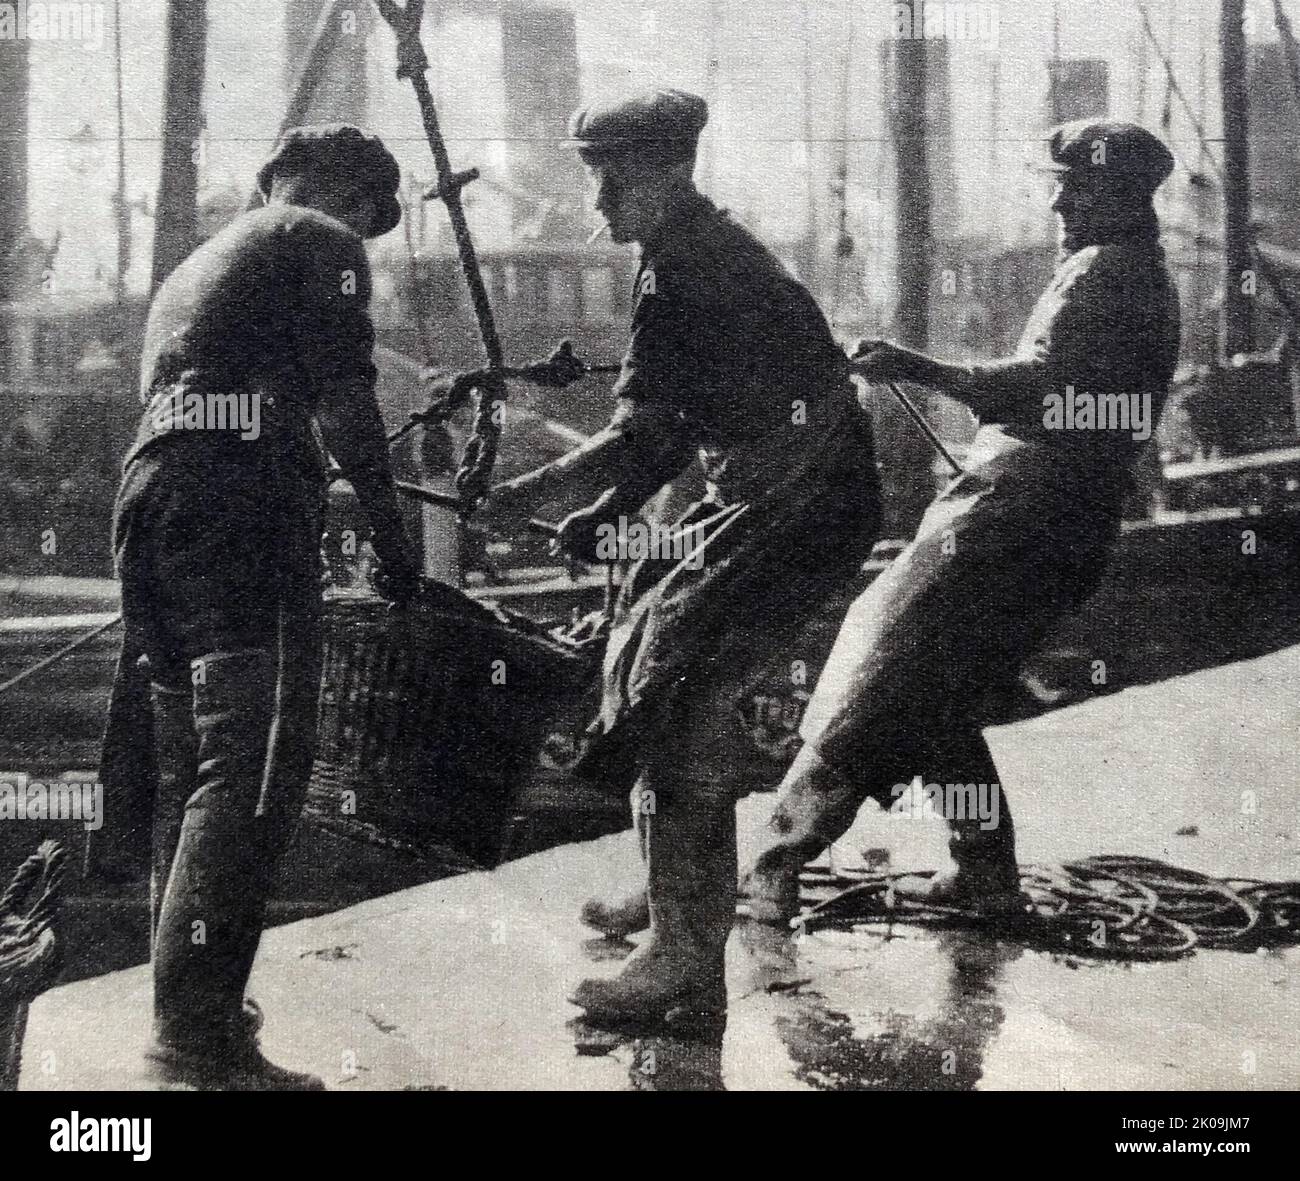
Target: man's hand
<point>398,577</point>
<point>578,533</point>
<point>881,361</point>
<point>506,511</point>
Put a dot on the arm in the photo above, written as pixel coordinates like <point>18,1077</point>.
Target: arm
<point>1076,346</point>
<point>647,442</point>
<point>334,339</point>
<point>354,433</point>
<point>641,450</point>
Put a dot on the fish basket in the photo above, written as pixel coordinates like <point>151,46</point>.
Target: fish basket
<point>431,716</point>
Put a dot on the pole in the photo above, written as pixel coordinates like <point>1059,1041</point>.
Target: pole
<point>926,429</point>
<point>121,211</point>
<point>1236,328</point>
<point>913,485</point>
<point>14,73</point>
<point>176,223</point>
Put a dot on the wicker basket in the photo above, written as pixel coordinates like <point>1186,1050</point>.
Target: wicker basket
<point>430,719</point>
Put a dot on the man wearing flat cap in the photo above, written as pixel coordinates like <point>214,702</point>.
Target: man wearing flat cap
<point>730,360</point>
<point>1019,539</point>
<point>258,337</point>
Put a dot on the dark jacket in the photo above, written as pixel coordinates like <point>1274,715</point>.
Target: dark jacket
<point>274,306</point>
<point>731,360</point>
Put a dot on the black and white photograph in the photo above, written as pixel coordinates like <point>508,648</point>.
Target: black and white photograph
<point>544,543</point>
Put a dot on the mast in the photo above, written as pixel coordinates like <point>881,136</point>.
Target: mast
<point>808,262</point>
<point>121,212</point>
<point>1236,327</point>
<point>176,223</point>
<point>13,157</point>
<point>914,250</point>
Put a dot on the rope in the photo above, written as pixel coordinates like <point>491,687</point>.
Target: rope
<point>54,659</point>
<point>32,896</point>
<point>1172,82</point>
<point>479,457</point>
<point>1106,907</point>
<point>1271,277</point>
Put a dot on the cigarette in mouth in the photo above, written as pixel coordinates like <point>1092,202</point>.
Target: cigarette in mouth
<point>599,232</point>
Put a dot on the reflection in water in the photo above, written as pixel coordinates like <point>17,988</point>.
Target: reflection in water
<point>941,1051</point>
<point>931,1014</point>
<point>684,1059</point>
<point>676,1064</point>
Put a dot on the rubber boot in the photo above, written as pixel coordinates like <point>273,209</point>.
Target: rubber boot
<point>815,807</point>
<point>177,762</point>
<point>627,915</point>
<point>677,977</point>
<point>216,892</point>
<point>985,878</point>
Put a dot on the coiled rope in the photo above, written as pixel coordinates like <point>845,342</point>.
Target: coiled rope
<point>1106,907</point>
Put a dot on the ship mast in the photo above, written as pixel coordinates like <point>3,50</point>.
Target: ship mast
<point>1236,328</point>
<point>176,223</point>
<point>914,254</point>
<point>121,211</point>
<point>13,159</point>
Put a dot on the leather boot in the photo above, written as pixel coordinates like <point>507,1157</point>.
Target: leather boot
<point>213,906</point>
<point>625,916</point>
<point>678,975</point>
<point>815,807</point>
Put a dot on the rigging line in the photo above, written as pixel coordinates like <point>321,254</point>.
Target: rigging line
<point>55,657</point>
<point>1270,274</point>
<point>1172,78</point>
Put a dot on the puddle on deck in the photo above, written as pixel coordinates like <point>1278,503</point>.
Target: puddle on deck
<point>916,1010</point>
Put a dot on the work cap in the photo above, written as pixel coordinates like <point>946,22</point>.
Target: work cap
<point>1125,153</point>
<point>346,150</point>
<point>658,129</point>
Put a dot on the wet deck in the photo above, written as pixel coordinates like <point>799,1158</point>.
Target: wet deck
<point>461,983</point>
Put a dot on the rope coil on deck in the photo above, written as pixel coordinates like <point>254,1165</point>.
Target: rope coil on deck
<point>1108,907</point>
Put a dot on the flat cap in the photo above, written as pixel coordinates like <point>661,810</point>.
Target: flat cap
<point>1129,154</point>
<point>346,150</point>
<point>658,129</point>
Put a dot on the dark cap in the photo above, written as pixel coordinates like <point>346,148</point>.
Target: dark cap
<point>1124,152</point>
<point>658,129</point>
<point>346,151</point>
